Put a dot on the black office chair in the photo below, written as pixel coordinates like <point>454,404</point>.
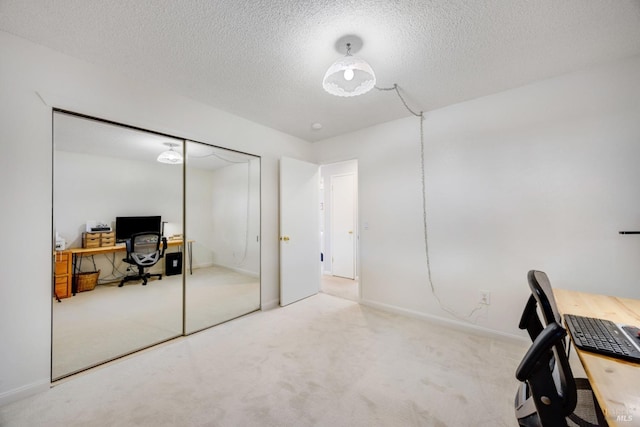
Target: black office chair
<point>545,370</point>
<point>143,251</point>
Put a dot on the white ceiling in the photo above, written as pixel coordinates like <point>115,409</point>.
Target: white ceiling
<point>265,59</point>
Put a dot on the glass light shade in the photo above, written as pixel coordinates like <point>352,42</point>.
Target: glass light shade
<point>170,157</point>
<point>364,79</point>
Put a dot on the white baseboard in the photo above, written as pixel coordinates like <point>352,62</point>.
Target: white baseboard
<point>455,324</point>
<point>236,269</point>
<point>14,395</point>
<point>270,305</point>
<point>203,265</point>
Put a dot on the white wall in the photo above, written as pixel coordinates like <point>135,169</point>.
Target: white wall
<point>539,177</point>
<point>89,187</point>
<point>30,73</point>
<point>217,209</point>
<point>199,199</point>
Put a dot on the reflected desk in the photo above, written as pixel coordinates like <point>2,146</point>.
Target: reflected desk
<point>78,253</point>
<point>615,382</point>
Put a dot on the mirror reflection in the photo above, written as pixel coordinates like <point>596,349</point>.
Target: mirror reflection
<point>108,186</point>
<point>223,227</point>
<point>129,270</point>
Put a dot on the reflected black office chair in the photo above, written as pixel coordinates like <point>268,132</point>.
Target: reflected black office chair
<point>144,251</point>
<point>549,394</point>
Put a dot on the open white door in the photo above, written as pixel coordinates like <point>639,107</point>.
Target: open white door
<point>299,230</point>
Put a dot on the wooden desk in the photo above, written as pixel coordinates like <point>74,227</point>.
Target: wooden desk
<point>78,253</point>
<point>615,382</point>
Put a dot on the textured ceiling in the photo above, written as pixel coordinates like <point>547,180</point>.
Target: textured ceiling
<point>265,59</point>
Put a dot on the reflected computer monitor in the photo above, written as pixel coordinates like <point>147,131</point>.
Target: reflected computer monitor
<point>128,225</point>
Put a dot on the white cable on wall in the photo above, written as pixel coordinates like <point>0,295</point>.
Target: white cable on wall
<point>420,115</point>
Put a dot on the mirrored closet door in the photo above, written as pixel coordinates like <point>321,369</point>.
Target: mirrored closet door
<point>222,205</point>
<point>108,182</point>
<point>129,270</point>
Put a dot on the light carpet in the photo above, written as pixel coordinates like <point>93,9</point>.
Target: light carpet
<point>323,361</point>
<point>99,325</point>
<point>340,287</point>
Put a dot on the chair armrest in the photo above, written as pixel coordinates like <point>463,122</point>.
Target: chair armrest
<point>549,337</point>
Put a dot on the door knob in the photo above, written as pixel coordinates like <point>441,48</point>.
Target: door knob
<point>350,232</point>
<point>285,238</point>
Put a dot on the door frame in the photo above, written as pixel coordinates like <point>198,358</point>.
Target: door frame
<point>348,166</point>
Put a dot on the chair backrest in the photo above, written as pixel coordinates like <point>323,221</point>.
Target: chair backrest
<point>548,393</point>
<point>144,248</point>
<point>542,297</point>
<point>542,292</point>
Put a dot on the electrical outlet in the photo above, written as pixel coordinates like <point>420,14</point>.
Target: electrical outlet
<point>485,297</point>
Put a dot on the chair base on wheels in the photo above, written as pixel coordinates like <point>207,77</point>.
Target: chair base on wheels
<point>144,277</point>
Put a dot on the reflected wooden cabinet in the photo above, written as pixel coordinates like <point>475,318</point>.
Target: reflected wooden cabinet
<point>62,274</point>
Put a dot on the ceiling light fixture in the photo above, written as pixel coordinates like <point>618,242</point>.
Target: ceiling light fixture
<point>349,76</point>
<point>170,156</point>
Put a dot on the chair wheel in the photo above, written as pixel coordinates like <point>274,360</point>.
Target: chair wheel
<point>121,285</point>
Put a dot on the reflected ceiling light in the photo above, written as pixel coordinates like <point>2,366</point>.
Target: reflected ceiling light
<point>349,76</point>
<point>170,156</point>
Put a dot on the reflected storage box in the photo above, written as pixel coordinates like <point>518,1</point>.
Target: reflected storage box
<point>107,238</point>
<point>98,239</point>
<point>91,240</point>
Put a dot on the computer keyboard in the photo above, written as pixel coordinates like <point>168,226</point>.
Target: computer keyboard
<point>603,337</point>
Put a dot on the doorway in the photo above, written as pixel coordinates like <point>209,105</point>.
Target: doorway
<point>339,229</point>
